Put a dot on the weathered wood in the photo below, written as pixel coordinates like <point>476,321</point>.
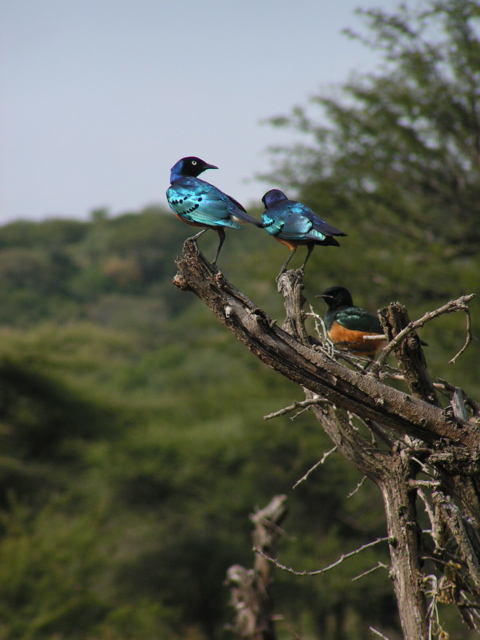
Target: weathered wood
<point>399,500</point>
<point>464,534</point>
<point>359,393</point>
<point>251,588</point>
<point>409,353</point>
<point>290,286</point>
<point>419,434</point>
<point>393,471</point>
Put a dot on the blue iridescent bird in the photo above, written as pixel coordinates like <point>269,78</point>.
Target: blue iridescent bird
<point>200,204</point>
<point>294,224</point>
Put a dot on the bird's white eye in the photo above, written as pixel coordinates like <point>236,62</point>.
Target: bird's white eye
<point>194,162</point>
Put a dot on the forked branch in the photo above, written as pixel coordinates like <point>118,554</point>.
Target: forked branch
<point>418,435</point>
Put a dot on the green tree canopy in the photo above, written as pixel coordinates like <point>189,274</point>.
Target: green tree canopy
<point>401,147</point>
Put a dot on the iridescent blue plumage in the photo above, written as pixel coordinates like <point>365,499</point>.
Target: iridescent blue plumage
<point>200,204</point>
<point>294,224</point>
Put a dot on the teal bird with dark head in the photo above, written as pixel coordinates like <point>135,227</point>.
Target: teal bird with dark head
<point>294,224</point>
<point>347,325</point>
<point>201,204</point>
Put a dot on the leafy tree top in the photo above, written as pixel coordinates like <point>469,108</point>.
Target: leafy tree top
<point>402,145</point>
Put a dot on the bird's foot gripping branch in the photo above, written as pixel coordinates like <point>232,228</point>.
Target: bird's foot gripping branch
<point>419,451</point>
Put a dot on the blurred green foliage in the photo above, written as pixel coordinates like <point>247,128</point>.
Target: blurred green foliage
<point>134,446</point>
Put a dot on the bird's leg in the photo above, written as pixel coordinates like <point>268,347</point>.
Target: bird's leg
<point>310,248</point>
<point>221,235</point>
<point>284,267</point>
<point>199,234</point>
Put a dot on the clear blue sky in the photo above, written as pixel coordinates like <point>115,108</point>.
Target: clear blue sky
<point>99,98</point>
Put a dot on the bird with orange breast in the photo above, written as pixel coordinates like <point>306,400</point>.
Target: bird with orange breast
<point>347,325</point>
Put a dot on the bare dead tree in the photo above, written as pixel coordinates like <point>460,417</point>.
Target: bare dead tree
<point>251,588</point>
<point>420,453</point>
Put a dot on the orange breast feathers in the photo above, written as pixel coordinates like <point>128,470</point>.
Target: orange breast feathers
<point>193,224</point>
<point>354,340</point>
<point>291,244</point>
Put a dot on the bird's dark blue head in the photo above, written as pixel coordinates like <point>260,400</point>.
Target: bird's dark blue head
<point>190,166</point>
<point>273,197</point>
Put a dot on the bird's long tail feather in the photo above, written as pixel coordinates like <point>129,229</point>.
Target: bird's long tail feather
<point>243,217</point>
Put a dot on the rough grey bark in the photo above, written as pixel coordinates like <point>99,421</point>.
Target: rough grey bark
<point>412,434</point>
<point>250,589</point>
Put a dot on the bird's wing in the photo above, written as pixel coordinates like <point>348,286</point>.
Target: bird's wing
<point>201,202</point>
<point>356,319</point>
<point>295,221</point>
<point>316,222</point>
<point>236,203</point>
<point>286,221</point>
<point>272,222</point>
<point>197,201</point>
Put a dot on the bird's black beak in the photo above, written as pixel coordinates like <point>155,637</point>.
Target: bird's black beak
<point>211,166</point>
<point>325,296</point>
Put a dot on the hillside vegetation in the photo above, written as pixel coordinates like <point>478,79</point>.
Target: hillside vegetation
<point>133,440</point>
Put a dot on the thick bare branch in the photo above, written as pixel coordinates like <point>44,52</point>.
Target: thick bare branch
<point>408,352</point>
<point>290,285</point>
<point>418,435</point>
<point>465,535</point>
<point>361,394</point>
<point>399,500</point>
<point>251,588</point>
<point>460,304</point>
